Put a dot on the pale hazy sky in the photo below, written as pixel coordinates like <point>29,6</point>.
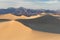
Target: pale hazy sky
<point>35,4</point>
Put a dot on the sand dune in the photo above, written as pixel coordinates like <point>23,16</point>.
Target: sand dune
<point>13,17</point>
<point>47,23</point>
<point>56,15</point>
<point>8,16</point>
<point>14,24</point>
<point>31,17</point>
<point>14,30</point>
<point>36,35</point>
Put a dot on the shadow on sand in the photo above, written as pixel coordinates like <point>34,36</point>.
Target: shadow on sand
<point>46,23</point>
<point>4,20</point>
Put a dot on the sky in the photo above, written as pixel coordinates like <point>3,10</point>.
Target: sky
<point>32,4</point>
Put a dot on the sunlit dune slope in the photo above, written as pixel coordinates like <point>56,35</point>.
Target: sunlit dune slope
<point>31,17</point>
<point>56,15</point>
<point>14,24</point>
<point>13,30</point>
<point>8,16</point>
<point>36,35</point>
<point>13,17</point>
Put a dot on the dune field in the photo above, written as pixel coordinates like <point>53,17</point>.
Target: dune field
<point>16,30</point>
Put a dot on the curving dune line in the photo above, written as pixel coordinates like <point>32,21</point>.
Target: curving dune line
<point>13,30</point>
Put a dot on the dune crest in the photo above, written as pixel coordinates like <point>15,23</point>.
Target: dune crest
<point>14,24</point>
<point>31,17</point>
<point>13,30</point>
<point>13,17</point>
<point>8,16</point>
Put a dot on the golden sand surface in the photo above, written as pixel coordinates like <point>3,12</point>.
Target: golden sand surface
<point>13,17</point>
<point>8,16</point>
<point>13,30</point>
<point>56,15</point>
<point>31,17</point>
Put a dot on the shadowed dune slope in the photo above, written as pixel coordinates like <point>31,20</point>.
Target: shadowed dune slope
<point>4,20</point>
<point>47,23</point>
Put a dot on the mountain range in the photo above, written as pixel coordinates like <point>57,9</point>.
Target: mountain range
<point>27,12</point>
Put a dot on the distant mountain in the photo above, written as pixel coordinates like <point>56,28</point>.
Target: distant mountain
<point>24,11</point>
<point>8,10</point>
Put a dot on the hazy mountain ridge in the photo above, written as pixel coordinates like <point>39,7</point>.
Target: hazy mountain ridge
<point>26,12</point>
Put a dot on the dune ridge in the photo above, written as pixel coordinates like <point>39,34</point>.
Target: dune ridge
<point>15,24</point>
<point>13,30</point>
<point>13,17</point>
<point>8,16</point>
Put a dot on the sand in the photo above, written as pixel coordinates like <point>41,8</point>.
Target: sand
<point>13,30</point>
<point>46,23</point>
<point>8,16</point>
<point>13,17</point>
<point>31,17</point>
